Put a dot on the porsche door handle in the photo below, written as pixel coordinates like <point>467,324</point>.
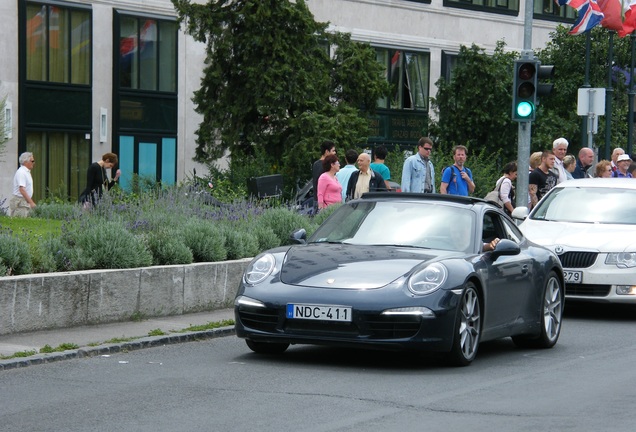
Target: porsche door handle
<point>524,268</point>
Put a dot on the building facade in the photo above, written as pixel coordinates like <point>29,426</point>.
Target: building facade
<point>82,78</point>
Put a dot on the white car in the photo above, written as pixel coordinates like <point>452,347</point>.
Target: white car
<point>591,226</point>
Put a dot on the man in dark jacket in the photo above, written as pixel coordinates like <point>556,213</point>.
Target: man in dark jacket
<point>364,179</point>
<point>583,163</point>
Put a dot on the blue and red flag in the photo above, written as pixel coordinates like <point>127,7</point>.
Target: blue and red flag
<point>589,14</point>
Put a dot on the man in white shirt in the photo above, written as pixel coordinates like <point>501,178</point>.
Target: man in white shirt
<point>21,201</point>
<point>560,149</point>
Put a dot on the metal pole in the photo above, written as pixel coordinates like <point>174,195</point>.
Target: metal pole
<point>609,94</point>
<point>586,84</point>
<point>525,128</point>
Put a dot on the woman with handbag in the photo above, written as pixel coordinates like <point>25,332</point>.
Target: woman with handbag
<point>506,189</point>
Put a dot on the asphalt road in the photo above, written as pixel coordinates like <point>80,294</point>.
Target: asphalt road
<point>586,383</point>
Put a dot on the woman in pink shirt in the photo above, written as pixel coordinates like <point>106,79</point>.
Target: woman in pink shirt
<point>329,188</point>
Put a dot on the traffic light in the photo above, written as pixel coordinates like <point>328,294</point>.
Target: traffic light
<point>544,72</point>
<point>524,90</point>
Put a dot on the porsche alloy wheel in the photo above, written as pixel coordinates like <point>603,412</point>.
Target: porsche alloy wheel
<point>551,316</point>
<point>467,328</point>
<point>266,347</point>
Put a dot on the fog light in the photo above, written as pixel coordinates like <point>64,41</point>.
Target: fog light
<point>626,289</point>
<point>413,311</point>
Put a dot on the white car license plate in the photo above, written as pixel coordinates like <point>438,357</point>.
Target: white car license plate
<point>573,277</point>
<point>319,312</point>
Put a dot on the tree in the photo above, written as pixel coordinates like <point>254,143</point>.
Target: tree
<point>270,86</point>
<point>473,108</point>
<point>557,113</point>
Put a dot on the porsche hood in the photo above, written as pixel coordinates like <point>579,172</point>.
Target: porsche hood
<point>323,265</point>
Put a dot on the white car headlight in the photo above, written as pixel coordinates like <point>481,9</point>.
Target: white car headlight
<point>428,279</point>
<point>622,259</point>
<point>260,269</point>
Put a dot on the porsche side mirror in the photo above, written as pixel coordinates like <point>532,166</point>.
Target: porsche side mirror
<point>298,237</point>
<point>505,247</point>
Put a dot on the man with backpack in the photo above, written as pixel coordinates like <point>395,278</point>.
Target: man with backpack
<point>457,179</point>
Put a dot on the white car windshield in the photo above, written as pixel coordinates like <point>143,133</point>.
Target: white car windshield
<point>588,205</point>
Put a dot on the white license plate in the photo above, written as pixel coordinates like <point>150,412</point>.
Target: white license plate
<point>319,312</point>
<point>573,277</point>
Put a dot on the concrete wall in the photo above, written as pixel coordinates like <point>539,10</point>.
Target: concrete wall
<point>57,300</point>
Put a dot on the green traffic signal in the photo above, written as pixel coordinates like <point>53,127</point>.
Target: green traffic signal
<point>524,109</point>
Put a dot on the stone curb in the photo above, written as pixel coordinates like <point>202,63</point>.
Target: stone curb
<point>137,344</point>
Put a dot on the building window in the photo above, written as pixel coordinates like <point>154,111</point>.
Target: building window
<point>408,74</point>
<point>549,10</point>
<point>63,159</point>
<point>145,97</point>
<point>55,94</point>
<point>449,61</point>
<point>58,43</point>
<point>147,54</point>
<point>506,7</point>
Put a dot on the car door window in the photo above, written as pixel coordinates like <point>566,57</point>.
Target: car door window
<point>512,232</point>
<point>492,227</point>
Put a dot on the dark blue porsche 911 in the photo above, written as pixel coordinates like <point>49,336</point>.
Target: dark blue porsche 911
<point>404,271</point>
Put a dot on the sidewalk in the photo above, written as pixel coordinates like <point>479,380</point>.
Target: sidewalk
<point>92,339</point>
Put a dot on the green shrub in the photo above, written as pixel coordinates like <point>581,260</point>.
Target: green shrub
<point>240,243</point>
<point>15,255</point>
<point>267,238</point>
<point>168,248</point>
<point>67,256</point>
<point>4,270</point>
<point>57,211</point>
<point>42,258</point>
<point>206,241</point>
<point>283,222</point>
<point>108,244</point>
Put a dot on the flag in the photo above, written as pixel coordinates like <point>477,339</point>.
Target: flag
<point>629,23</point>
<point>613,14</point>
<point>589,14</point>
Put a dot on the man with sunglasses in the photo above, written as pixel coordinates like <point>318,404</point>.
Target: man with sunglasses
<point>21,201</point>
<point>418,173</point>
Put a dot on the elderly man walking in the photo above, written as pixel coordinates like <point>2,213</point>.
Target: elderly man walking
<point>21,201</point>
<point>364,179</point>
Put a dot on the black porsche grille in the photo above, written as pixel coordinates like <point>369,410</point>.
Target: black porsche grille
<point>392,327</point>
<point>587,290</point>
<point>259,318</point>
<point>371,326</point>
<point>577,259</point>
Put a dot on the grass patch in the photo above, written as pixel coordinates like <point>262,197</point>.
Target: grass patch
<point>27,228</point>
<point>157,332</point>
<point>208,326</point>
<point>47,349</point>
<point>19,354</point>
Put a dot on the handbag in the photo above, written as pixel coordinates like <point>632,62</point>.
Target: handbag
<point>493,196</point>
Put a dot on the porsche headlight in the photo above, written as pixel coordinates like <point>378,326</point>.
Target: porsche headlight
<point>428,279</point>
<point>260,269</point>
<point>622,259</point>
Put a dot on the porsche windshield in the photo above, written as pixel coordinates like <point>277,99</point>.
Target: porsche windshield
<point>423,225</point>
<point>588,205</point>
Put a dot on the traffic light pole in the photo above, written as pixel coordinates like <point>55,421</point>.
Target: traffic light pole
<point>525,127</point>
